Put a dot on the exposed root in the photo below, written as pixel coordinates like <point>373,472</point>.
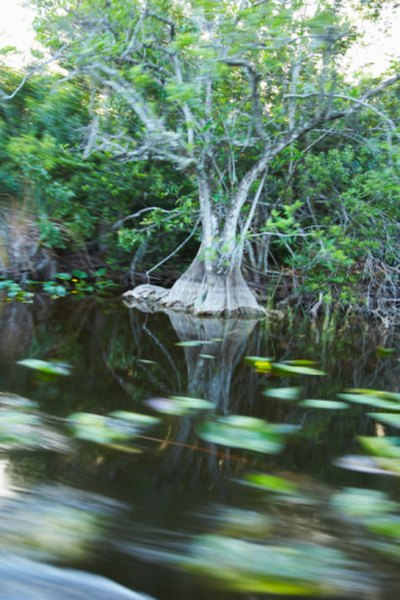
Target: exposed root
<point>200,294</point>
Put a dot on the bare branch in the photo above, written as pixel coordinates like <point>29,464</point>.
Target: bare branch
<point>32,71</point>
<point>164,260</point>
<point>359,101</point>
<point>254,80</point>
<point>140,212</point>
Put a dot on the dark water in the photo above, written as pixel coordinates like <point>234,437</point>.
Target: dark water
<point>167,509</point>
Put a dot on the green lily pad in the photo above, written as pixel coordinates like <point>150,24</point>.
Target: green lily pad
<point>271,483</point>
<point>388,419</point>
<point>194,343</point>
<point>285,393</point>
<point>376,393</point>
<point>44,366</point>
<point>324,404</point>
<point>288,570</point>
<point>286,369</point>
<point>180,405</point>
<point>245,432</point>
<point>370,401</point>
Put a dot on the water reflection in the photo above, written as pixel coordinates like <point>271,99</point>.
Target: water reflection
<point>192,510</point>
<point>22,578</point>
<point>55,523</point>
<point>6,487</point>
<point>211,364</point>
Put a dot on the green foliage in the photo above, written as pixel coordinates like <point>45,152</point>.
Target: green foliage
<point>180,405</point>
<point>341,235</point>
<point>284,369</point>
<point>175,90</point>
<point>45,366</point>
<point>63,284</point>
<point>76,201</point>
<point>14,291</point>
<point>112,430</point>
<point>246,432</point>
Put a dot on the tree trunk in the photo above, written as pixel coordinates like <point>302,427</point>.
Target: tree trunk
<point>201,291</point>
<point>207,289</point>
<point>213,285</point>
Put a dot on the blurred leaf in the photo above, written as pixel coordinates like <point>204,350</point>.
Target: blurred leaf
<point>388,526</point>
<point>362,503</point>
<point>376,393</point>
<point>193,343</point>
<point>179,405</point>
<point>49,367</point>
<point>388,419</point>
<point>138,419</point>
<point>254,359</point>
<point>53,522</point>
<point>79,274</point>
<point>19,429</point>
<point>95,428</point>
<point>271,483</point>
<point>23,426</point>
<point>383,352</point>
<point>380,446</point>
<point>325,404</point>
<point>237,522</point>
<point>245,432</point>
<point>286,393</point>
<point>368,464</point>
<point>300,362</point>
<point>370,401</point>
<point>254,568</point>
<point>285,369</point>
<point>260,364</point>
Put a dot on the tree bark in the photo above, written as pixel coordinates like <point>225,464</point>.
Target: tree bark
<point>211,292</point>
<point>205,289</point>
<point>213,285</point>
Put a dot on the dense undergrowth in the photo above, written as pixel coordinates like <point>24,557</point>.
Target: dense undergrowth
<point>326,233</point>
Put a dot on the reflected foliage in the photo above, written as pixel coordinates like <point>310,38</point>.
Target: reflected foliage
<point>214,472</point>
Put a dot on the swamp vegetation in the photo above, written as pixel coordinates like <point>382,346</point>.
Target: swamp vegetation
<point>194,457</point>
<point>226,142</point>
<point>218,159</point>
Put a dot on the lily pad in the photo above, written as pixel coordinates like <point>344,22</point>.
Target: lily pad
<point>245,432</point>
<point>44,366</point>
<point>380,446</point>
<point>285,393</point>
<point>376,393</point>
<point>271,483</point>
<point>324,404</point>
<point>95,428</point>
<point>146,361</point>
<point>388,419</point>
<point>300,362</point>
<point>286,369</point>
<point>370,401</point>
<point>179,405</point>
<point>362,503</point>
<point>111,429</point>
<point>137,419</point>
<point>194,343</point>
<point>368,464</point>
<point>288,570</point>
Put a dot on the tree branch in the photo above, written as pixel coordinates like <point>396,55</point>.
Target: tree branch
<point>254,80</point>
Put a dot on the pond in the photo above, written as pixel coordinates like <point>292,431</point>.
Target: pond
<point>173,457</point>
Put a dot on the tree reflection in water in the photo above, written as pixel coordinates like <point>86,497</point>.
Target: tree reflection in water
<point>228,518</point>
